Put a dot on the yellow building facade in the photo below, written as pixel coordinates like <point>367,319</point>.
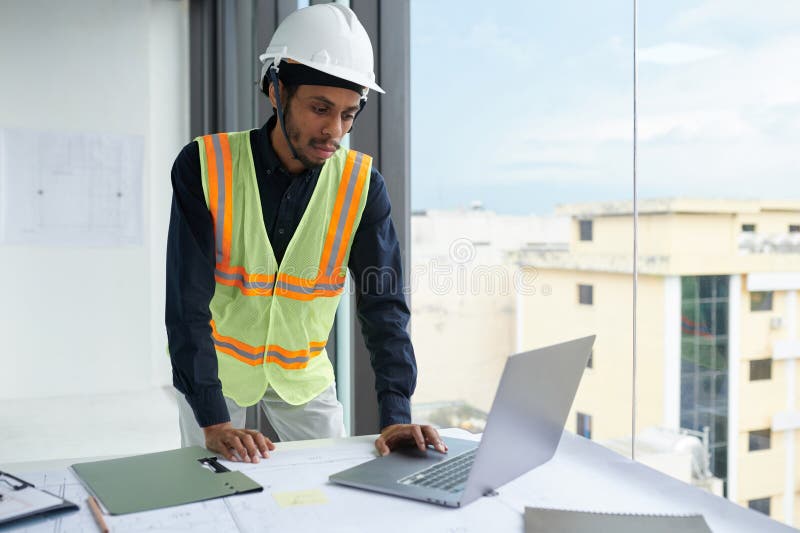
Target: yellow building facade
<point>717,334</point>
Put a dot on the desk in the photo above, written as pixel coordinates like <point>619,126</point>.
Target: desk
<point>582,475</point>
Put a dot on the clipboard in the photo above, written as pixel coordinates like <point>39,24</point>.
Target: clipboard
<point>20,499</point>
<point>163,479</point>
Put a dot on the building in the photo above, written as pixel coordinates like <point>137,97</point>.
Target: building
<point>461,283</point>
<point>717,331</point>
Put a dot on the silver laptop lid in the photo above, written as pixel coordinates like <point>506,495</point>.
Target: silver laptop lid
<point>528,414</point>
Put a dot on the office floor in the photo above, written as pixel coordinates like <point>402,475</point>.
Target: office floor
<point>90,426</point>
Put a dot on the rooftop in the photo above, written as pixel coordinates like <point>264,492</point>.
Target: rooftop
<point>655,206</point>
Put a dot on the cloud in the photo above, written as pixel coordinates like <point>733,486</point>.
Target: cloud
<point>676,53</point>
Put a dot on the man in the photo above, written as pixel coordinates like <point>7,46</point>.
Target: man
<point>264,226</point>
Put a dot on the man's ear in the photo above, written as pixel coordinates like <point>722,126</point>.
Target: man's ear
<point>272,93</point>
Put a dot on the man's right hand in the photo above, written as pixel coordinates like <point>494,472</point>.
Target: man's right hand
<point>237,444</point>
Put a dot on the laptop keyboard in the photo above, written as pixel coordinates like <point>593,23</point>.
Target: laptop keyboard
<point>449,475</point>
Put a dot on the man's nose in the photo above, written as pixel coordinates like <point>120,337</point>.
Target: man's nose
<point>333,127</point>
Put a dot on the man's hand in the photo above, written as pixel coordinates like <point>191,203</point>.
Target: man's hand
<point>405,435</point>
<point>237,444</point>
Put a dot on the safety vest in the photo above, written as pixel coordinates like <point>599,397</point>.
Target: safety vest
<point>270,322</point>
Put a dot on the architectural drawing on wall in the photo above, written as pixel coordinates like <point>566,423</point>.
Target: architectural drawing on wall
<point>70,189</point>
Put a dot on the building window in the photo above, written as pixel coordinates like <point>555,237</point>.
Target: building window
<point>586,294</point>
<point>704,363</point>
<point>584,428</point>
<point>586,230</point>
<point>760,440</point>
<point>749,228</point>
<point>761,301</point>
<point>794,228</point>
<point>761,505</point>
<point>760,369</point>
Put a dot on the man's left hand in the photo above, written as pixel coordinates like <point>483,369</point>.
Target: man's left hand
<point>406,435</point>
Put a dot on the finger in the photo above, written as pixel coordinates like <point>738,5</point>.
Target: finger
<point>236,444</point>
<point>262,443</point>
<point>432,437</point>
<point>380,445</point>
<point>416,432</point>
<point>221,449</point>
<point>249,446</point>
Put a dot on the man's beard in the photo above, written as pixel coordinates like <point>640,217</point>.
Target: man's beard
<point>293,136</point>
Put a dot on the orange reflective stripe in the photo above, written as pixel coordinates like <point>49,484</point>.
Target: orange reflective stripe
<point>228,183</point>
<point>351,216</point>
<point>254,355</point>
<point>337,208</point>
<point>268,278</point>
<point>211,169</point>
<point>306,289</point>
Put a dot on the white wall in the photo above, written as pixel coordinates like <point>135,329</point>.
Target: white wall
<point>80,320</point>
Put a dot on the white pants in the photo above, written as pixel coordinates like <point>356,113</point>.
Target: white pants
<point>321,418</point>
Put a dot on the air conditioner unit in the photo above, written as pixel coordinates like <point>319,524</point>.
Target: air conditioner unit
<point>776,322</point>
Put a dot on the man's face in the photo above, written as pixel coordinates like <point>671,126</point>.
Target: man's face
<point>316,119</point>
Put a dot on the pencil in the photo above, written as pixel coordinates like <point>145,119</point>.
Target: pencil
<point>98,516</point>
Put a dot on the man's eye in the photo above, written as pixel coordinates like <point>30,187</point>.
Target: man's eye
<point>320,110</point>
<point>349,117</point>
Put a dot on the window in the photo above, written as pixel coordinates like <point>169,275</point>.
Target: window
<point>704,359</point>
<point>794,228</point>
<point>586,294</point>
<point>586,230</point>
<point>584,428</point>
<point>748,228</point>
<point>760,369</point>
<point>760,440</point>
<point>761,505</point>
<point>590,362</point>
<point>761,301</point>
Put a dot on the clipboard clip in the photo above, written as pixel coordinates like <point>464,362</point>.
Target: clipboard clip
<point>213,464</point>
<point>18,484</point>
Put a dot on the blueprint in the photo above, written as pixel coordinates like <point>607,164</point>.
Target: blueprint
<point>70,189</point>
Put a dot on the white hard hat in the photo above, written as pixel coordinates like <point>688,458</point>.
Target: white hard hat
<point>326,37</point>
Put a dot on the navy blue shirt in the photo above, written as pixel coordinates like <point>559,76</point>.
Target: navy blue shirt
<point>381,306</point>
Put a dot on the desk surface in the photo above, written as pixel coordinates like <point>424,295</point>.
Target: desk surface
<point>297,496</point>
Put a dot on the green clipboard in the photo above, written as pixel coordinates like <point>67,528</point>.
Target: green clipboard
<point>163,479</point>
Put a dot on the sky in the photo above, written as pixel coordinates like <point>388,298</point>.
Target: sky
<point>527,104</point>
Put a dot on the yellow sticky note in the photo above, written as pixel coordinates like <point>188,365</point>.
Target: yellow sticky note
<point>300,497</point>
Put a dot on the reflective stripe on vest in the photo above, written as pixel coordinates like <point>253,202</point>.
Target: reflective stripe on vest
<point>254,355</point>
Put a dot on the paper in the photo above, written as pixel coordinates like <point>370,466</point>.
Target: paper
<point>70,189</point>
<point>556,521</point>
<point>300,497</point>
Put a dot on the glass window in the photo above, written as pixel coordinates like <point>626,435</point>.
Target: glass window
<point>760,440</point>
<point>794,228</point>
<point>586,230</point>
<point>760,369</point>
<point>761,301</point>
<point>586,294</point>
<point>584,427</point>
<point>760,504</point>
<point>704,363</point>
<point>748,228</point>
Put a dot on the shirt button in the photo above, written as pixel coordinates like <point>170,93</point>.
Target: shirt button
<point>280,231</point>
<point>288,196</point>
<point>269,171</point>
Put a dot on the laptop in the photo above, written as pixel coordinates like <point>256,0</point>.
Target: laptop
<point>522,432</point>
